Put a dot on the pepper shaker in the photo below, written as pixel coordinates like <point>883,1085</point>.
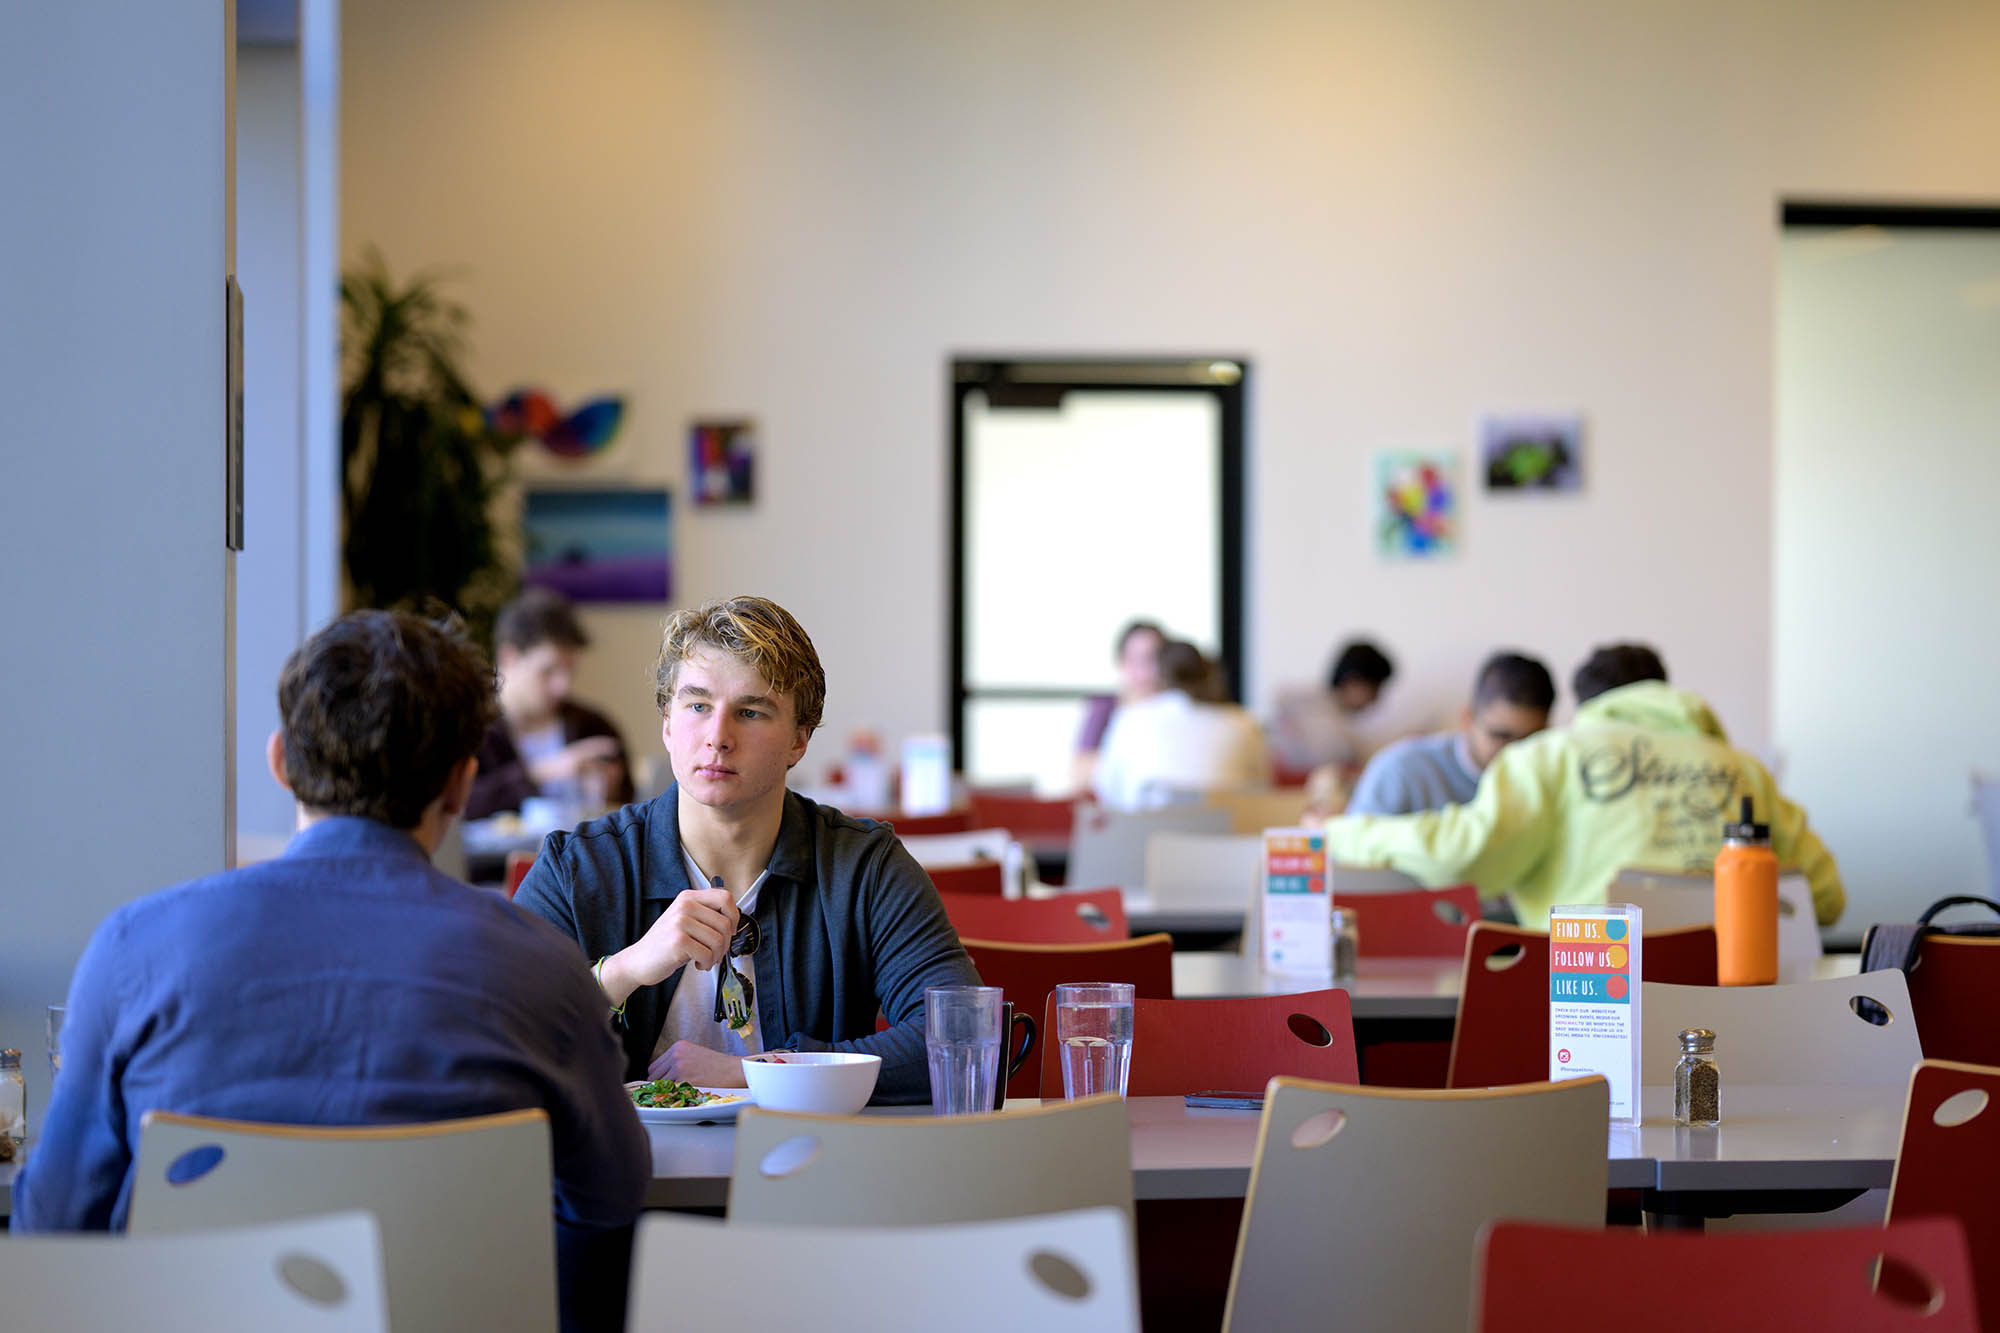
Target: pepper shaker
<point>1697,1080</point>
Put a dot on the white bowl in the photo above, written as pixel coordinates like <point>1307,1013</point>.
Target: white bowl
<point>822,1082</point>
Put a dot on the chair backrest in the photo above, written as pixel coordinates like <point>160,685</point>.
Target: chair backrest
<point>1027,973</point>
<point>906,1171</point>
<point>1417,923</point>
<point>518,865</point>
<point>1731,1282</point>
<point>450,1196</point>
<point>1022,816</point>
<point>1203,869</point>
<point>314,1275</point>
<point>1366,1201</point>
<point>1094,917</point>
<point>974,879</point>
<point>1986,804</point>
<point>1065,1273</point>
<point>1252,810</point>
<point>1951,1126</point>
<point>925,826</point>
<point>1502,1033</point>
<point>1807,1032</point>
<point>1671,901</point>
<point>1107,848</point>
<point>972,846</point>
<point>1240,1044</point>
<point>1955,995</point>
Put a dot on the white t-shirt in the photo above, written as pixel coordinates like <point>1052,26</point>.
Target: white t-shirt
<point>1167,744</point>
<point>691,1016</point>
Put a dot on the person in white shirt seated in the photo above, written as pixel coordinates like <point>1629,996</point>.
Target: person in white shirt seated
<point>1180,741</point>
<point>1510,701</point>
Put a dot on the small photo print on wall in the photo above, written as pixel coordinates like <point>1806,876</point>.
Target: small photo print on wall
<point>600,545</point>
<point>1525,453</point>
<point>722,461</point>
<point>1416,503</point>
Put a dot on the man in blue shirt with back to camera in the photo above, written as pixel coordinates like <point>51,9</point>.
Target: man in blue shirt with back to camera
<point>349,982</point>
<point>1510,701</point>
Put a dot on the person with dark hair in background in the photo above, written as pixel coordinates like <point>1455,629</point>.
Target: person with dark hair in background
<point>545,743</point>
<point>1138,659</point>
<point>1511,700</point>
<point>349,982</point>
<point>1644,778</point>
<point>1315,728</point>
<point>1179,741</point>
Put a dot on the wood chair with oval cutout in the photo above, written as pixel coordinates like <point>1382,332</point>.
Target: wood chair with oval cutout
<point>1183,1046</point>
<point>1809,1033</point>
<point>917,1170</point>
<point>1028,973</point>
<point>972,879</point>
<point>1364,1202</point>
<point>1068,1272</point>
<point>1502,1033</point>
<point>1420,923</point>
<point>1731,1282</point>
<point>1955,997</point>
<point>1951,1125</point>
<point>449,1195</point>
<point>1093,917</point>
<point>315,1275</point>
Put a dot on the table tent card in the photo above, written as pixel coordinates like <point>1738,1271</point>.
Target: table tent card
<point>926,775</point>
<point>1594,997</point>
<point>1297,901</point>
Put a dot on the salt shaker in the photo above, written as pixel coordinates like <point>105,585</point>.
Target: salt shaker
<point>13,1097</point>
<point>1346,943</point>
<point>1697,1080</point>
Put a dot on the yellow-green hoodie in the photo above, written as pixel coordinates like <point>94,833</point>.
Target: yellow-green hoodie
<point>1644,778</point>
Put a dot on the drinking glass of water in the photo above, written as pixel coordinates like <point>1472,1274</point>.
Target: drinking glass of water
<point>962,1032</point>
<point>1094,1036</point>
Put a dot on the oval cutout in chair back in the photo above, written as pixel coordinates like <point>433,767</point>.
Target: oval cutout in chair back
<point>1901,1284</point>
<point>789,1157</point>
<point>1960,1107</point>
<point>193,1164</point>
<point>1315,1130</point>
<point>1502,959</point>
<point>1787,908</point>
<point>1309,1030</point>
<point>1871,1010</point>
<point>1059,1275</point>
<point>1093,915</point>
<point>1451,913</point>
<point>312,1279</point>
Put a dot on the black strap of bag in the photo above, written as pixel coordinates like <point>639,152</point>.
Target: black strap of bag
<point>1896,945</point>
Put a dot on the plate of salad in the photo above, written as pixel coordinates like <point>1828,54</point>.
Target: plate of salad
<point>665,1102</point>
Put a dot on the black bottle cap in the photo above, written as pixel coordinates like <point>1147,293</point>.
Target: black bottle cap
<point>1747,829</point>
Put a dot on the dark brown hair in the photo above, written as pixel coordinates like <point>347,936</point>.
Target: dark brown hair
<point>1613,665</point>
<point>377,710</point>
<point>539,616</point>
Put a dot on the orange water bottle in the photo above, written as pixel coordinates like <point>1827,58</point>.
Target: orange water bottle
<point>1746,904</point>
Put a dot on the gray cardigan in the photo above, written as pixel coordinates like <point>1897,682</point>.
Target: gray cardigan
<point>851,927</point>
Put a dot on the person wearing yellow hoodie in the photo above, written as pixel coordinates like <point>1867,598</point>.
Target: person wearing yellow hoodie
<point>1644,778</point>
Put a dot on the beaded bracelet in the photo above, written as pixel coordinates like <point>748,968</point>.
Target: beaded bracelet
<point>597,970</point>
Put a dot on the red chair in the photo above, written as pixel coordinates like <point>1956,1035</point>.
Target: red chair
<point>972,879</point>
<point>518,866</point>
<point>1502,1033</point>
<point>1183,1046</point>
<point>1097,917</point>
<point>1419,923</point>
<point>1951,1143</point>
<point>1283,775</point>
<point>1027,973</point>
<point>1955,998</point>
<point>915,826</point>
<point>1026,817</point>
<point>1531,1277</point>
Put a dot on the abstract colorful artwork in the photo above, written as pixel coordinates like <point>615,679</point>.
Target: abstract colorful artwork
<point>578,434</point>
<point>1416,505</point>
<point>1532,453</point>
<point>599,545</point>
<point>722,462</point>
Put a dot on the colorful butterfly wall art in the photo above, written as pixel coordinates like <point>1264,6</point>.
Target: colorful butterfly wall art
<point>579,434</point>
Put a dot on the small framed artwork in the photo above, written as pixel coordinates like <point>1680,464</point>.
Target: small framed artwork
<point>1416,505</point>
<point>1531,453</point>
<point>601,544</point>
<point>722,462</point>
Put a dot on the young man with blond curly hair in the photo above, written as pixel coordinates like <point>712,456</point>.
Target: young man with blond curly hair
<point>848,925</point>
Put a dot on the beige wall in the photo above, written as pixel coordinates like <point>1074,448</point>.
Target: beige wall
<point>1405,214</point>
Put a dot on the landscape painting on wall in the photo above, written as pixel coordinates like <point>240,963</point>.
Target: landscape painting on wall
<point>600,545</point>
